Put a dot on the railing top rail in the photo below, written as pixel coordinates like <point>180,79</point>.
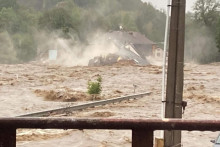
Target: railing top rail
<point>133,124</point>
<point>84,106</point>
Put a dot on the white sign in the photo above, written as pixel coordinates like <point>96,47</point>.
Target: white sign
<point>52,54</point>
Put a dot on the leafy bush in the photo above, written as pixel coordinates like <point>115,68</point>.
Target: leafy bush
<point>95,87</point>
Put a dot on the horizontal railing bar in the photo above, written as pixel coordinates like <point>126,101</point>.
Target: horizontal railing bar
<point>118,124</point>
<point>84,106</point>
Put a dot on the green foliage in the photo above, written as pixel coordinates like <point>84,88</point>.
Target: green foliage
<point>200,45</point>
<point>38,4</point>
<point>8,4</point>
<point>95,87</point>
<point>65,16</point>
<point>7,51</point>
<point>132,15</point>
<point>151,22</point>
<point>8,19</point>
<point>19,25</point>
<point>20,20</point>
<point>28,19</point>
<point>206,11</point>
<point>25,46</point>
<point>202,31</point>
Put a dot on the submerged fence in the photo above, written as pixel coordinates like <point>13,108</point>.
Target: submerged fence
<point>142,129</point>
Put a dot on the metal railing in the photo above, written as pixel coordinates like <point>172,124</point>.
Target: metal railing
<point>142,129</point>
<point>84,106</point>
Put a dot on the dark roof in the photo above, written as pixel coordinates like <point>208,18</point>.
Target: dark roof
<point>129,37</point>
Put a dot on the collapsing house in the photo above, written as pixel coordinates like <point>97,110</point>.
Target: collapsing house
<point>131,46</point>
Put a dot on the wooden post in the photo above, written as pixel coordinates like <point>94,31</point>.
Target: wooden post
<point>174,92</point>
<point>142,138</point>
<point>7,137</point>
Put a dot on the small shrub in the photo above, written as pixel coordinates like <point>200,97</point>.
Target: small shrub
<point>95,87</point>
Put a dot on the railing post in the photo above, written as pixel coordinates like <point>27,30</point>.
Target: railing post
<point>8,137</point>
<point>142,138</point>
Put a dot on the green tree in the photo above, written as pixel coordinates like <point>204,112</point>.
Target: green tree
<point>19,20</point>
<point>65,16</point>
<point>151,22</point>
<point>200,45</point>
<point>8,4</point>
<point>206,11</point>
<point>95,87</point>
<point>19,24</point>
<point>8,19</point>
<point>25,46</point>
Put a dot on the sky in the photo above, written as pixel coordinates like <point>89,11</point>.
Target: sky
<point>162,4</point>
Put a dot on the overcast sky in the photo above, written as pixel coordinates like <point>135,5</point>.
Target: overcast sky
<point>162,4</point>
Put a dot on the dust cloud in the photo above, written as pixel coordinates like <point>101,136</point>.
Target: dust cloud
<point>71,52</point>
<point>7,51</point>
<point>201,46</point>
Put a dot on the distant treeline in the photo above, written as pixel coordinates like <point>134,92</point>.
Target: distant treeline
<point>22,20</point>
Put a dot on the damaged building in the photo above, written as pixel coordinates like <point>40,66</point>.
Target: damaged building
<point>131,46</point>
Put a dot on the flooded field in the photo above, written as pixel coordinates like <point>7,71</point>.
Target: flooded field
<point>26,88</point>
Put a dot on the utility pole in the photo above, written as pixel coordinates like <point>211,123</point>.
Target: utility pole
<point>174,90</point>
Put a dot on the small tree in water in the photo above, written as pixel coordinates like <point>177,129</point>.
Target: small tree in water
<point>95,88</point>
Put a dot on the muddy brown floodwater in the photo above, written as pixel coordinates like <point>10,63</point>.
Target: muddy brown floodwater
<point>26,88</point>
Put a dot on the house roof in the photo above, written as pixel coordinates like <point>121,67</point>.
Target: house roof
<point>129,37</point>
